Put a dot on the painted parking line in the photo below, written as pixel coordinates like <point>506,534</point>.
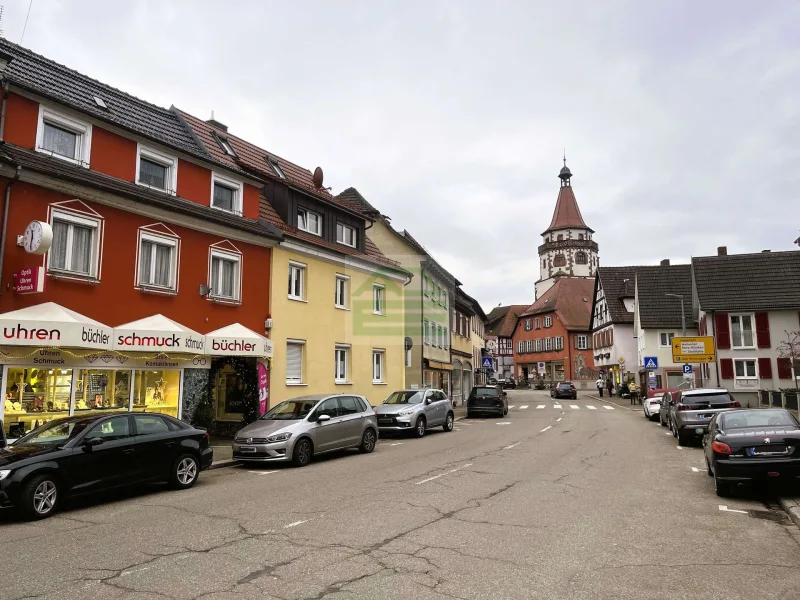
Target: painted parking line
<point>540,406</point>
<point>574,407</point>
<point>295,524</point>
<point>667,433</point>
<point>511,406</point>
<point>724,508</point>
<point>695,469</point>
<point>556,406</point>
<point>609,407</point>
<point>504,423</point>
<point>262,472</point>
<point>558,419</point>
<point>396,444</point>
<point>512,446</point>
<point>443,474</point>
<point>545,429</point>
<point>679,447</point>
<point>590,407</point>
<point>523,407</point>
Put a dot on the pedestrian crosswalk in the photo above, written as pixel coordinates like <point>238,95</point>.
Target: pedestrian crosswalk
<point>558,406</point>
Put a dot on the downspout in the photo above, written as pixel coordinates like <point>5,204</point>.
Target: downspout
<point>714,333</point>
<point>3,110</point>
<point>6,202</point>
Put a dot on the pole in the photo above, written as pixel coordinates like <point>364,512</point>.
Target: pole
<point>683,319</point>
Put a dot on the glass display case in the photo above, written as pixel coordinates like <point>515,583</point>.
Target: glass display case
<point>35,396</point>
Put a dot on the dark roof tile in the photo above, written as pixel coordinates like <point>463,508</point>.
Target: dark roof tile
<point>617,284</point>
<point>656,309</point>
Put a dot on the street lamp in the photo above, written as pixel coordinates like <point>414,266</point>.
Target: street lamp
<point>683,315</point>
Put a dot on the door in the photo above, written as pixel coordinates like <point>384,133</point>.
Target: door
<point>108,460</point>
<point>352,420</point>
<point>157,446</point>
<point>328,435</point>
<point>440,404</point>
<point>430,408</point>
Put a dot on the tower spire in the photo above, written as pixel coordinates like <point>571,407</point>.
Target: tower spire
<point>565,173</point>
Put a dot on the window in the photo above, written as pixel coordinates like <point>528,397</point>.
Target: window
<point>346,235</point>
<point>439,336</point>
<point>115,428</point>
<point>559,260</point>
<point>426,332</point>
<point>665,339</point>
<point>408,357</point>
<point>226,194</point>
<point>378,292</point>
<point>225,276</point>
<point>559,343</point>
<point>537,323</point>
<point>63,137</point>
<point>581,258</point>
<point>340,300</point>
<point>157,261</point>
<point>519,347</point>
<point>150,424</point>
<point>297,275</point>
<point>538,345</point>
<point>527,324</point>
<point>444,298</point>
<point>559,237</point>
<point>548,321</point>
<point>529,346</point>
<point>330,408</point>
<point>309,221</point>
<point>349,406</point>
<point>548,344</point>
<point>426,286</point>
<point>446,339</point>
<point>742,331</point>
<point>75,246</point>
<point>276,167</point>
<point>156,170</point>
<point>582,342</point>
<point>294,362</point>
<point>340,361</point>
<point>377,366</point>
<point>225,145</point>
<point>580,236</point>
<point>746,373</point>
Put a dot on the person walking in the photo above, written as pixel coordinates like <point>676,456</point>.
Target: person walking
<point>600,384</point>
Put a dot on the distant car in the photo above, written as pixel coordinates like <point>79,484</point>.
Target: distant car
<point>86,454</point>
<point>298,429</point>
<point>690,411</point>
<point>509,384</point>
<point>494,381</point>
<point>487,399</point>
<point>660,391</point>
<point>652,407</point>
<point>749,445</point>
<point>564,389</point>
<point>415,411</point>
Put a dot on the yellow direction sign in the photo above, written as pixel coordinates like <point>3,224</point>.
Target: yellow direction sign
<point>693,349</point>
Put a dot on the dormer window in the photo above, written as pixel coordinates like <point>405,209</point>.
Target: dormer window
<point>309,221</point>
<point>276,167</point>
<point>156,170</point>
<point>63,137</point>
<point>346,235</point>
<point>226,194</point>
<point>225,145</point>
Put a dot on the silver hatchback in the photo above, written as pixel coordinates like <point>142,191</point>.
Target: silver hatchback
<point>300,428</point>
<point>415,411</point>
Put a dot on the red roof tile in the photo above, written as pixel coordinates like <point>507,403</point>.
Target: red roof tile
<point>567,214</point>
<point>502,320</point>
<point>571,299</point>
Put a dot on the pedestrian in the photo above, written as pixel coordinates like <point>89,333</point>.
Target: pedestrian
<point>600,384</point>
<point>610,387</point>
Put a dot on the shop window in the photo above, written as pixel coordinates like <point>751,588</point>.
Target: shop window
<point>97,390</point>
<point>225,272</point>
<point>156,391</point>
<point>34,397</point>
<point>64,137</point>
<point>158,261</point>
<point>229,394</point>
<point>76,244</point>
<point>156,170</point>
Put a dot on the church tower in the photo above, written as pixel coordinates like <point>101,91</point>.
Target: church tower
<point>567,248</point>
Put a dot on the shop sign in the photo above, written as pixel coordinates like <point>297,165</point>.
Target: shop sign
<point>56,357</point>
<point>263,388</point>
<point>51,333</point>
<point>29,281</point>
<point>143,339</point>
<point>238,346</point>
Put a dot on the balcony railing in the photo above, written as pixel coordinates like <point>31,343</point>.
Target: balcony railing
<point>562,244</point>
<point>777,399</point>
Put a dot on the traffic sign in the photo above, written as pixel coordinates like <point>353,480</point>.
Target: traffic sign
<point>541,366</point>
<point>487,362</point>
<point>693,349</point>
<point>687,369</point>
<point>650,363</point>
<point>651,375</point>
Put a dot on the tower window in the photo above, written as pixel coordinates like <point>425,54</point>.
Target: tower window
<point>559,261</point>
<point>581,258</point>
<point>580,236</point>
<point>559,237</point>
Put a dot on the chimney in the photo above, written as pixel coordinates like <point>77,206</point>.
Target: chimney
<point>722,251</point>
<point>665,262</point>
<point>216,124</point>
<point>764,251</point>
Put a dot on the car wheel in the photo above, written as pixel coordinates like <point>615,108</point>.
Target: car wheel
<point>368,442</point>
<point>185,472</point>
<point>469,415</point>
<point>505,411</point>
<point>661,420</point>
<point>419,428</point>
<point>448,422</point>
<point>683,439</point>
<point>301,455</point>
<point>708,468</point>
<point>723,488</point>
<point>39,497</point>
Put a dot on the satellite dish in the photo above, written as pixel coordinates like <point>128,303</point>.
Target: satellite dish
<point>318,177</point>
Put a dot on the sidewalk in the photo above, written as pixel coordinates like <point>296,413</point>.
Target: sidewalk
<point>223,453</point>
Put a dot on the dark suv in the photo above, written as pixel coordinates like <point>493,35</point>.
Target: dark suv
<point>487,399</point>
<point>564,389</point>
<point>690,411</point>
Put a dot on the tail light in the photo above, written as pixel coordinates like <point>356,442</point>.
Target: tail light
<point>733,404</point>
<point>685,407</point>
<point>206,437</point>
<point>721,448</point>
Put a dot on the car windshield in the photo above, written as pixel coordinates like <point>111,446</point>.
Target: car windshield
<point>55,432</point>
<point>712,398</point>
<point>741,419</point>
<point>566,384</point>
<point>291,410</point>
<point>409,397</point>
<point>484,392</point>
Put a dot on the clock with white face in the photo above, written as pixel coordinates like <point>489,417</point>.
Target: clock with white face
<point>38,237</point>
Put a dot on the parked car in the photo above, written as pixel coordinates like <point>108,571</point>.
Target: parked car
<point>415,411</point>
<point>509,384</point>
<point>660,391</point>
<point>749,445</point>
<point>494,381</point>
<point>487,399</point>
<point>690,411</point>
<point>652,407</point>
<point>564,389</point>
<point>85,454</point>
<point>298,429</point>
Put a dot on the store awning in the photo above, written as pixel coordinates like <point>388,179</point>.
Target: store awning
<point>50,324</point>
<point>237,340</point>
<point>435,364</point>
<point>157,333</point>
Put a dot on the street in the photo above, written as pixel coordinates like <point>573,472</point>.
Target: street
<point>588,500</point>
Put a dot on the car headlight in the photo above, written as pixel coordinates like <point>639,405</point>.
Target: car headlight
<point>405,413</point>
<point>4,474</point>
<point>280,437</point>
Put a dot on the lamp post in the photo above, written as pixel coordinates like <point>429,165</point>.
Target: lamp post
<point>683,315</point>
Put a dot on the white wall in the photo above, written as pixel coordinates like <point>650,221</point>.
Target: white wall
<point>624,347</point>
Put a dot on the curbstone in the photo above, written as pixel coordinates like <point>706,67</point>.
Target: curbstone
<point>792,508</point>
<point>220,464</point>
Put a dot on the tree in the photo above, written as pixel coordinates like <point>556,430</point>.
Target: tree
<point>790,349</point>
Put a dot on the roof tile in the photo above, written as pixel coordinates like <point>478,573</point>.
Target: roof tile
<point>571,299</point>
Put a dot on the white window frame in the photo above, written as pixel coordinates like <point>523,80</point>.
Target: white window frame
<point>276,167</point>
<point>548,344</point>
<point>380,364</point>
<point>164,240</point>
<point>661,339</point>
<point>296,267</point>
<point>548,321</point>
<point>583,342</point>
<point>538,345</point>
<point>318,232</point>
<point>345,229</point>
<point>537,324</point>
<point>302,344</point>
<point>378,299</point>
<point>439,336</point>
<point>85,221</point>
<point>444,298</point>
<point>519,347</point>
<point>345,281</point>
<point>446,338</point>
<point>752,318</point>
<point>529,346</point>
<point>345,350</point>
<point>231,184</point>
<point>82,129</point>
<point>226,146</point>
<point>165,160</point>
<point>230,256</point>
<point>746,377</point>
<point>528,325</point>
<point>426,332</point>
<point>559,343</point>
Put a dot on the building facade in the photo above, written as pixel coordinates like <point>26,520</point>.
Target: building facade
<point>613,304</point>
<point>500,324</point>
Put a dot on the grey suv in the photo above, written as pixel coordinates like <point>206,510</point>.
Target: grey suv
<point>415,411</point>
<point>691,410</point>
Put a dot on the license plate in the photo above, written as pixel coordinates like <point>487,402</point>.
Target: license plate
<point>385,421</point>
<point>706,416</point>
<point>246,449</point>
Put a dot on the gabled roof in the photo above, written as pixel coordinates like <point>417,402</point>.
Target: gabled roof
<point>571,299</point>
<point>567,214</point>
<point>470,301</point>
<point>767,280</point>
<point>352,197</point>
<point>615,288</point>
<point>502,320</point>
<point>656,309</point>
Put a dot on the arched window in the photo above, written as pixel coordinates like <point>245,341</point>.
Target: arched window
<point>581,258</point>
<point>559,261</point>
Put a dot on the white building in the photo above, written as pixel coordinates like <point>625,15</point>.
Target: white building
<point>613,304</point>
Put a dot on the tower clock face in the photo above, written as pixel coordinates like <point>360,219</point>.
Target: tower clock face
<point>38,237</point>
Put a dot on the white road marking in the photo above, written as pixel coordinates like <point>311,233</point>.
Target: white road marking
<point>556,406</point>
<point>590,407</point>
<point>442,474</point>
<point>511,406</point>
<point>512,446</point>
<point>295,524</point>
<point>545,429</point>
<point>724,508</point>
<point>558,419</point>
<point>262,472</point>
<point>679,447</point>
<point>504,423</point>
<point>695,469</point>
<point>523,407</point>
<point>540,406</point>
<point>609,407</point>
<point>574,406</point>
<point>396,444</point>
<point>667,433</point>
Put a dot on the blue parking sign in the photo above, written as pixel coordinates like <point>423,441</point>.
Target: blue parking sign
<point>687,369</point>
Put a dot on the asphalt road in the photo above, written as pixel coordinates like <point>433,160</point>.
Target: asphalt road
<point>579,503</point>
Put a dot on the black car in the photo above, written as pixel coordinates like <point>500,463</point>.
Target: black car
<point>487,400</point>
<point>748,445</point>
<point>84,454</point>
<point>509,384</point>
<point>564,389</point>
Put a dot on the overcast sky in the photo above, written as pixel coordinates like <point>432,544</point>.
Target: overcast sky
<point>681,119</point>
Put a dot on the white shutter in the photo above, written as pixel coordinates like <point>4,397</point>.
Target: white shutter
<point>294,362</point>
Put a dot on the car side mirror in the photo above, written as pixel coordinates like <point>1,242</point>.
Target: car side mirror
<point>428,400</point>
<point>92,442</point>
<point>323,418</point>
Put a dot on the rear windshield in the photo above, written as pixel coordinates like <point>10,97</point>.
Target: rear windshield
<point>484,392</point>
<point>714,398</point>
<point>740,419</point>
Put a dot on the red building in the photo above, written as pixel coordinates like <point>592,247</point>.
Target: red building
<point>113,209</point>
<point>554,333</point>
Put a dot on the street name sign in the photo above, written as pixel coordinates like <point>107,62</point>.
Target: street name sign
<point>693,349</point>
